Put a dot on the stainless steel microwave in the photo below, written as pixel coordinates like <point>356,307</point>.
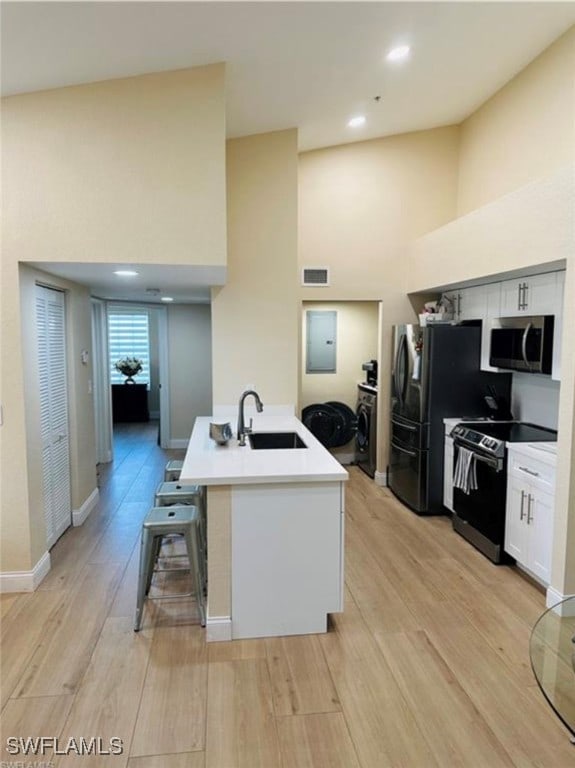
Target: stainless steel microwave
<point>523,344</point>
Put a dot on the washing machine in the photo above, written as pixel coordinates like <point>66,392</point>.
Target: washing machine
<point>366,435</point>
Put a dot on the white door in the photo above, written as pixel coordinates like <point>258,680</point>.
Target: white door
<point>540,518</point>
<point>101,383</point>
<point>516,519</point>
<point>51,331</point>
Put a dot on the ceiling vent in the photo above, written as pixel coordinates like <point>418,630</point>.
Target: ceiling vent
<point>315,276</point>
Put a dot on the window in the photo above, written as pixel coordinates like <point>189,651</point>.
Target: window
<point>129,336</point>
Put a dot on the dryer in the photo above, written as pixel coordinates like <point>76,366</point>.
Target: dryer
<point>366,436</point>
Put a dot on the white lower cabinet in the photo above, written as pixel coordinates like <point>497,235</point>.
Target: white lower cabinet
<point>529,514</point>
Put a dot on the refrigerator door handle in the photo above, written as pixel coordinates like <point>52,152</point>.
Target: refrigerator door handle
<point>402,450</point>
<point>396,369</point>
<point>404,426</point>
<point>406,368</point>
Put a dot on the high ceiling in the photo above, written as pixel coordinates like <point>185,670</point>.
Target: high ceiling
<point>309,65</point>
<point>293,64</point>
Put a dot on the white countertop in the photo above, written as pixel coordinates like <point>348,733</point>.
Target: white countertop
<point>207,463</point>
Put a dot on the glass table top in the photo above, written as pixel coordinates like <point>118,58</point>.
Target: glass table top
<point>552,652</point>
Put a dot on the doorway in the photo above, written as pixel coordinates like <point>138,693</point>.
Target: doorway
<point>125,329</point>
<point>333,352</point>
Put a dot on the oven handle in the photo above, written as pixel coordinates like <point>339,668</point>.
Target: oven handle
<point>403,450</point>
<point>495,464</point>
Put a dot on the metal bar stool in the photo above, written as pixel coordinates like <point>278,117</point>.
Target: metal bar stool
<point>172,469</point>
<point>166,521</point>
<point>168,493</point>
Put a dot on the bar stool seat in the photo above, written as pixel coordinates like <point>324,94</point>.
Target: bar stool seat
<point>173,492</point>
<point>172,469</point>
<point>166,521</point>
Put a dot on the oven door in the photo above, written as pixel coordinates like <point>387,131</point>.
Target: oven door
<point>483,509</point>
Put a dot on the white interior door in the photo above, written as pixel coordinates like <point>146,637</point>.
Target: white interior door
<point>51,332</point>
<point>165,427</point>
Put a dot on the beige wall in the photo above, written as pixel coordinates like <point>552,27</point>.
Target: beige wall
<point>255,316</point>
<point>357,333</point>
<point>16,547</point>
<point>524,132</point>
<point>128,170</point>
<point>360,205</point>
<point>527,227</point>
<point>190,361</point>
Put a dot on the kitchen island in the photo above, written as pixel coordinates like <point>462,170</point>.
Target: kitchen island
<point>275,530</point>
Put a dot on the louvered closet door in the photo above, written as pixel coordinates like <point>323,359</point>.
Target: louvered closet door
<point>51,329</point>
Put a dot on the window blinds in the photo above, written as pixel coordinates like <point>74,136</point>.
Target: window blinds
<point>129,336</point>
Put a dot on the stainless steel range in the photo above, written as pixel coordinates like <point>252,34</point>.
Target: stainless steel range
<point>479,501</point>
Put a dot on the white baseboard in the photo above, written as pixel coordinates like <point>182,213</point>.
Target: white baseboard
<point>381,479</point>
<point>79,515</point>
<point>25,581</point>
<point>554,597</point>
<point>178,443</point>
<point>218,629</point>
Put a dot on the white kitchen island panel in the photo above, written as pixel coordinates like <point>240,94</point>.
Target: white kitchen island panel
<point>275,531</point>
<point>287,558</point>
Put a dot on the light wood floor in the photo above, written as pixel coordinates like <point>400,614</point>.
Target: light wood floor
<point>428,665</point>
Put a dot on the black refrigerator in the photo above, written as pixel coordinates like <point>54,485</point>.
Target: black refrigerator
<point>435,374</point>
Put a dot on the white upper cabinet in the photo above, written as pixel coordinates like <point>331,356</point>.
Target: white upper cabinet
<point>472,303</point>
<point>535,295</point>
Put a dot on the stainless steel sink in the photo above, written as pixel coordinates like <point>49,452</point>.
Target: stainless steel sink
<point>271,440</point>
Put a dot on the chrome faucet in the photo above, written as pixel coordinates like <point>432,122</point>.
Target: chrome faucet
<point>242,429</point>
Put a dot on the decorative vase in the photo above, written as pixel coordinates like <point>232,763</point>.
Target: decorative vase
<point>129,380</point>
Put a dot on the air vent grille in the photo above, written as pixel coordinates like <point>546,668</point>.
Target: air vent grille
<point>315,276</point>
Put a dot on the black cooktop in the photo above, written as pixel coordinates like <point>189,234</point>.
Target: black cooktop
<point>513,431</point>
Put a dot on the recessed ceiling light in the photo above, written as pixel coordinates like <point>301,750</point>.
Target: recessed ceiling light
<point>125,272</point>
<point>167,298</point>
<point>355,122</point>
<point>399,53</point>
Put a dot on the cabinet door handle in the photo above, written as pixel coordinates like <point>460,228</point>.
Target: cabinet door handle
<point>521,514</point>
<point>529,515</point>
<point>459,304</point>
<point>529,471</point>
<point>525,289</point>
